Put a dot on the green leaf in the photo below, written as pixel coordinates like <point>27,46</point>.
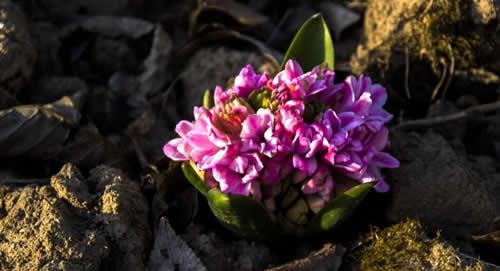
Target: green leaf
<point>248,218</point>
<point>240,214</point>
<point>195,177</point>
<point>312,45</point>
<point>339,208</point>
<point>208,99</point>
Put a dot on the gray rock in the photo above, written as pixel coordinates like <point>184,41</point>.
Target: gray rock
<point>440,187</point>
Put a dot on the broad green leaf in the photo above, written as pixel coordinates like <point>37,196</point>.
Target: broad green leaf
<point>195,177</point>
<point>248,218</point>
<point>240,214</point>
<point>312,45</point>
<point>340,208</point>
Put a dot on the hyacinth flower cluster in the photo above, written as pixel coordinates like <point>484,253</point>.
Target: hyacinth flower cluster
<point>297,129</point>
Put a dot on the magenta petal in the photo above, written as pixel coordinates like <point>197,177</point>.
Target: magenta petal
<point>381,186</point>
<point>227,179</point>
<point>362,105</point>
<point>220,96</point>
<point>384,160</point>
<point>171,150</point>
<point>350,120</point>
<point>378,95</point>
<point>380,139</point>
<point>364,83</point>
<point>211,159</point>
<point>242,189</point>
<point>239,164</point>
<point>293,69</point>
<point>183,128</point>
<point>251,174</point>
<point>200,141</point>
<point>308,165</point>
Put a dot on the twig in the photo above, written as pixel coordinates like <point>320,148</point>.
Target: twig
<point>421,123</point>
<point>428,6</point>
<point>407,72</point>
<point>451,72</point>
<point>441,81</point>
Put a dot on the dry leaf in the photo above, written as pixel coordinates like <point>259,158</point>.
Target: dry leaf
<point>37,130</point>
<point>171,253</point>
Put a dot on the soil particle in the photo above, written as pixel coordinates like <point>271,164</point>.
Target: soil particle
<point>123,211</point>
<point>42,232</point>
<point>68,186</point>
<point>60,227</point>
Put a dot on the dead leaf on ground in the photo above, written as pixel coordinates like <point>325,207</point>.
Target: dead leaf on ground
<point>242,14</point>
<point>36,130</point>
<point>154,76</point>
<point>171,253</point>
<point>115,27</point>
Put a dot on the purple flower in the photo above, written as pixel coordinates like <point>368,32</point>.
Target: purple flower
<point>257,132</point>
<point>363,98</point>
<point>308,142</point>
<point>298,85</point>
<point>364,156</point>
<point>248,81</point>
<point>238,173</point>
<point>200,141</point>
<point>291,114</point>
<point>250,151</point>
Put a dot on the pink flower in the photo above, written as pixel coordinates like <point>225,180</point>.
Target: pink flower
<point>308,142</point>
<point>296,84</point>
<point>291,115</point>
<point>363,98</point>
<point>257,132</point>
<point>363,157</point>
<point>250,151</point>
<point>248,81</point>
<point>238,173</point>
<point>200,141</point>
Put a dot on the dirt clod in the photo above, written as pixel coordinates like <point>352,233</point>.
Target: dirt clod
<point>60,227</point>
